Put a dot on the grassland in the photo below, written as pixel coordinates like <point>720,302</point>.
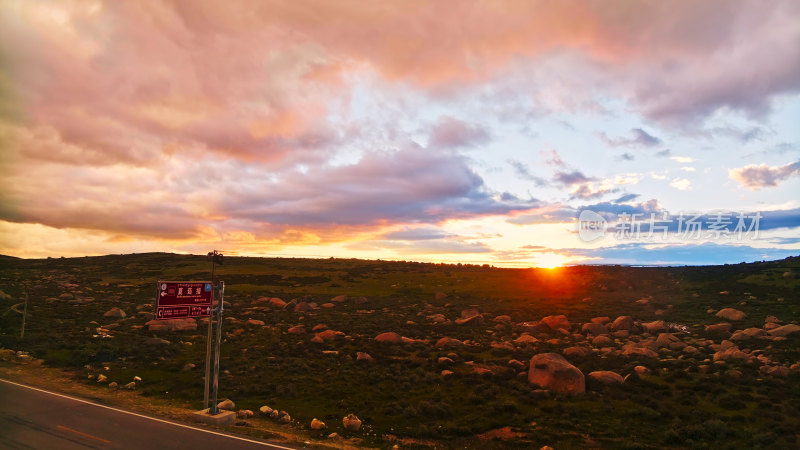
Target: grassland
<point>686,400</point>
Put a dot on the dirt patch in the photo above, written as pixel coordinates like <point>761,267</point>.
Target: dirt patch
<point>504,433</point>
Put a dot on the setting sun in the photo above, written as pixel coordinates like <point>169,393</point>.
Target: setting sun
<point>551,260</point>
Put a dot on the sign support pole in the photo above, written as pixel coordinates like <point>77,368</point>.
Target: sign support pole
<point>214,410</point>
<point>208,341</point>
<point>24,316</point>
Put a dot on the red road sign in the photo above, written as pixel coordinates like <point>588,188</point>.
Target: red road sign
<point>181,299</point>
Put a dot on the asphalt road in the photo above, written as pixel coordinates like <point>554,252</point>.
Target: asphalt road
<point>39,419</point>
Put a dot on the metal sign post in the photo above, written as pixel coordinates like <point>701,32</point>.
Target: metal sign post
<point>214,410</point>
<point>24,316</point>
<point>216,257</point>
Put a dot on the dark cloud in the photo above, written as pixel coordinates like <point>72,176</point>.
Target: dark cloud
<point>664,153</point>
<point>742,135</point>
<point>570,178</point>
<point>626,198</point>
<point>523,172</point>
<point>411,185</point>
<point>587,191</point>
<point>625,157</point>
<point>639,138</point>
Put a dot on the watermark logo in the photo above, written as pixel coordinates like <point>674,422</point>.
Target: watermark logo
<point>684,226</point>
<point>591,226</point>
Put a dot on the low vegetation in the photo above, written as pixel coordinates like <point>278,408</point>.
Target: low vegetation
<point>402,392</point>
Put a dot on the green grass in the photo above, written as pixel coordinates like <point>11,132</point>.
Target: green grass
<point>402,391</point>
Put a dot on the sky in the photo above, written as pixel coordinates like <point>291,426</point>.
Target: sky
<point>446,131</point>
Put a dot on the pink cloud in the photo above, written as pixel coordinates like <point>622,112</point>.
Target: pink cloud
<point>755,176</point>
<point>170,118</point>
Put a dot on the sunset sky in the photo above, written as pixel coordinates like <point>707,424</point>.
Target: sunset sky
<point>450,131</point>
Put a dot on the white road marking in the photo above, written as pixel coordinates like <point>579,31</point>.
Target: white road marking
<point>146,417</point>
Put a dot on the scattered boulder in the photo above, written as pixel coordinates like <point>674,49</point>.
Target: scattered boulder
<point>351,422</point>
<point>665,339</point>
<point>601,320</point>
<point>784,330</point>
<point>518,365</point>
<point>730,353</point>
<point>447,342</point>
<point>437,318</point>
<point>482,371</point>
<point>329,335</point>
<point>622,334</point>
<point>227,404</point>
<point>244,414</point>
<point>721,328</point>
<point>131,386</point>
<point>339,299</point>
<point>444,360</point>
<point>748,333</point>
<point>551,371</point>
<point>502,319</point>
<point>297,329</point>
<point>266,410</point>
<point>602,341</point>
<point>635,350</point>
<point>319,327</point>
<point>577,351</point>
<point>525,339</point>
<point>731,314</point>
<point>595,329</point>
<point>606,377</point>
<point>363,356</point>
<point>302,307</point>
<point>641,370</point>
<point>113,386</point>
<point>622,323</point>
<point>656,326</point>
<point>775,371</point>
<point>440,296</point>
<point>255,322</point>
<point>390,337</point>
<point>556,322</point>
<point>470,319</point>
<point>275,302</point>
<point>115,312</point>
<point>446,372</point>
<point>317,424</point>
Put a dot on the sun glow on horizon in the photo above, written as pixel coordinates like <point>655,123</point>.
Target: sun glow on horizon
<point>551,260</point>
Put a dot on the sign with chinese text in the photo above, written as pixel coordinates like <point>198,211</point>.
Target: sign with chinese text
<point>182,299</point>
